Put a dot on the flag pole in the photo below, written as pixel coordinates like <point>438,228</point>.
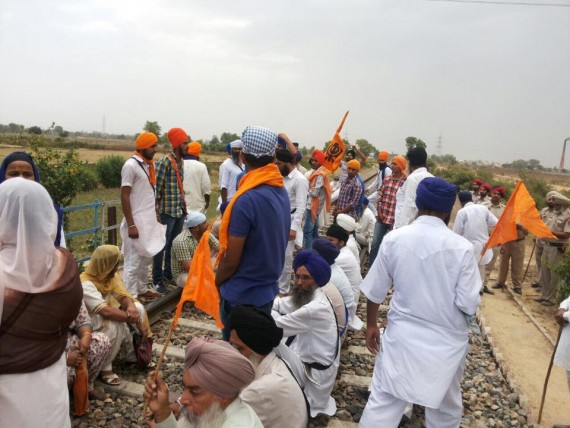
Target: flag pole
<point>529,260</point>
<point>548,375</point>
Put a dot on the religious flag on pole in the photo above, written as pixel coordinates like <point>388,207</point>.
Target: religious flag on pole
<point>336,149</point>
<point>200,286</point>
<point>521,209</point>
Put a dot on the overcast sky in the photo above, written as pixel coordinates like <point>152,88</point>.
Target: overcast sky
<point>493,80</point>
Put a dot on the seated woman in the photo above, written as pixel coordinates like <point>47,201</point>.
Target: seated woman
<point>112,308</point>
<point>82,342</point>
<point>40,295</point>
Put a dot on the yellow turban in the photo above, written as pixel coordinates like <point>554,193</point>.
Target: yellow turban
<point>194,148</point>
<point>146,140</point>
<point>354,164</point>
<point>400,162</point>
<point>383,156</point>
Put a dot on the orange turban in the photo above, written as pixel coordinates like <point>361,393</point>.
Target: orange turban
<point>400,162</point>
<point>146,140</point>
<point>194,149</point>
<point>177,136</point>
<point>383,156</point>
<point>354,164</point>
<point>319,155</point>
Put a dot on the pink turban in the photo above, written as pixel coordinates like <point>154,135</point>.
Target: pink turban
<point>177,136</point>
<point>217,366</point>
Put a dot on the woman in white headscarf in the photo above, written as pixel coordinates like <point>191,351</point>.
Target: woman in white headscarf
<point>40,295</point>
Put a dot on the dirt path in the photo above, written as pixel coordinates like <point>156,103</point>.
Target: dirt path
<point>527,351</point>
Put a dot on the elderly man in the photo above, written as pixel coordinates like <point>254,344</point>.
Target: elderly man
<point>436,283</point>
<point>185,244</point>
<point>171,202</point>
<point>319,197</point>
<point>554,249</point>
<point>214,374</point>
<point>350,191</point>
<point>229,171</point>
<point>254,231</point>
<point>197,185</point>
<point>297,188</point>
<point>142,235</point>
<point>275,392</point>
<point>406,210</point>
<point>308,321</point>
<point>473,223</point>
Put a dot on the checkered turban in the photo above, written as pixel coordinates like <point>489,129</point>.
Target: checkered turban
<point>259,141</point>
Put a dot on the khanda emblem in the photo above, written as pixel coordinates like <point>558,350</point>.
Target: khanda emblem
<point>333,151</point>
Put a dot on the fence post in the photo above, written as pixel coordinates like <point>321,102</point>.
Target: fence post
<point>112,221</point>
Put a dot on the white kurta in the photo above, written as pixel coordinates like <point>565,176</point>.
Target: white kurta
<point>228,174</point>
<point>562,356</point>
<point>406,209</point>
<point>351,267</point>
<point>274,393</point>
<point>316,341</point>
<point>196,185</point>
<point>436,281</point>
<point>473,223</point>
<point>340,280</point>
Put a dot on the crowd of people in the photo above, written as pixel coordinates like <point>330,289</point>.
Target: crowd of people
<point>287,295</point>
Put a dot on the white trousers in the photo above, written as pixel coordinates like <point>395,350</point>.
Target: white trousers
<point>135,269</point>
<point>385,410</point>
<point>285,278</point>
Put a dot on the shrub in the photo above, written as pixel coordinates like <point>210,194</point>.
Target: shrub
<point>89,178</point>
<point>563,269</point>
<point>536,186</point>
<point>109,170</point>
<point>459,175</point>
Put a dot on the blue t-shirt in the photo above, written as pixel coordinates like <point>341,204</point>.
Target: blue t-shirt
<point>263,216</point>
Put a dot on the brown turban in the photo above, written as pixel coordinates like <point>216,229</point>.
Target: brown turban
<point>217,366</point>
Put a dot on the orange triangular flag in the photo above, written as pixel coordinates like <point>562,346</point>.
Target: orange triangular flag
<point>336,149</point>
<point>521,209</point>
<point>200,286</point>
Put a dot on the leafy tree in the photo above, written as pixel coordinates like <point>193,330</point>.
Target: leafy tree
<point>58,129</point>
<point>412,142</point>
<point>228,137</point>
<point>109,170</point>
<point>444,159</point>
<point>35,130</point>
<point>153,127</point>
<point>214,141</point>
<point>365,147</point>
<point>15,128</point>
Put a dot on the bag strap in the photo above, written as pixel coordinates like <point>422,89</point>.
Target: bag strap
<point>178,179</point>
<point>297,382</point>
<point>22,306</point>
<point>144,170</point>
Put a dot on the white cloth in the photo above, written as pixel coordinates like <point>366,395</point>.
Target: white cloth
<point>297,187</point>
<point>562,356</point>
<point>340,280</point>
<point>285,278</point>
<point>228,174</point>
<point>196,184</point>
<point>274,393</point>
<point>365,228</point>
<point>436,282</point>
<point>315,327</point>
<point>351,267</point>
<point>37,399</point>
<point>353,246</point>
<point>473,223</point>
<point>29,261</point>
<point>237,415</point>
<point>375,185</point>
<point>406,209</point>
<point>135,269</point>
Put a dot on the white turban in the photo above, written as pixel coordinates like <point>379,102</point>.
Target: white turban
<point>237,144</point>
<point>194,218</point>
<point>346,222</point>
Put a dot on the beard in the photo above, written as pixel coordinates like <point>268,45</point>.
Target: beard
<point>235,158</point>
<point>212,418</point>
<point>284,170</point>
<point>300,297</point>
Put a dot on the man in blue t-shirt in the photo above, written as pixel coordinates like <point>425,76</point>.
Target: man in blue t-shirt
<point>258,231</point>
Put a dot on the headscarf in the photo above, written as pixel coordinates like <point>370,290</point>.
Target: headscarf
<point>551,194</point>
<point>255,328</point>
<point>326,249</point>
<point>194,149</point>
<point>259,141</point>
<point>177,136</point>
<point>354,164</point>
<point>434,193</point>
<point>500,189</point>
<point>347,222</point>
<point>335,231</point>
<point>145,140</point>
<point>401,162</point>
<point>28,258</point>
<point>194,218</point>
<point>217,366</point>
<point>103,260</point>
<point>383,156</point>
<point>229,148</point>
<point>317,266</point>
<point>236,144</point>
<point>319,155</point>
<point>562,200</point>
<point>465,196</point>
<point>18,156</point>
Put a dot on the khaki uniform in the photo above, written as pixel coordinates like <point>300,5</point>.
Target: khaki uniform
<point>513,251</point>
<point>545,214</point>
<point>552,254</point>
<point>496,210</point>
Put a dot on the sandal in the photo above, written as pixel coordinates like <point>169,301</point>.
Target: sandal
<point>110,379</point>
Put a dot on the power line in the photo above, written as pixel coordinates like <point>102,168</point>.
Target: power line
<point>509,3</point>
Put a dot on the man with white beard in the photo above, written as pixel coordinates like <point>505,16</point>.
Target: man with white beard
<point>229,171</point>
<point>308,321</point>
<point>274,392</point>
<point>214,375</point>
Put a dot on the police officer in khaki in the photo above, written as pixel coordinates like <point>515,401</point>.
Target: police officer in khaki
<point>545,214</point>
<point>554,249</point>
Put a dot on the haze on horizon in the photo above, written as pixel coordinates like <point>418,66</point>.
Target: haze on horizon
<point>490,79</point>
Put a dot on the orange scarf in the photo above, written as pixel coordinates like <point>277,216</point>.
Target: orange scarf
<point>268,174</point>
<point>322,171</point>
<point>151,170</point>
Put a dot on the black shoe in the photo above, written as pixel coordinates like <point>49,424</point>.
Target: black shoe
<point>497,286</point>
<point>535,285</point>
<point>517,290</point>
<point>487,290</point>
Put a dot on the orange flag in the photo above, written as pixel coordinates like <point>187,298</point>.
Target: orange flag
<point>200,286</point>
<point>521,209</point>
<point>336,149</point>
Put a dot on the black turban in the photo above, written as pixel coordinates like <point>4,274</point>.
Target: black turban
<point>335,231</point>
<point>255,328</point>
<point>465,196</point>
<point>284,156</point>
